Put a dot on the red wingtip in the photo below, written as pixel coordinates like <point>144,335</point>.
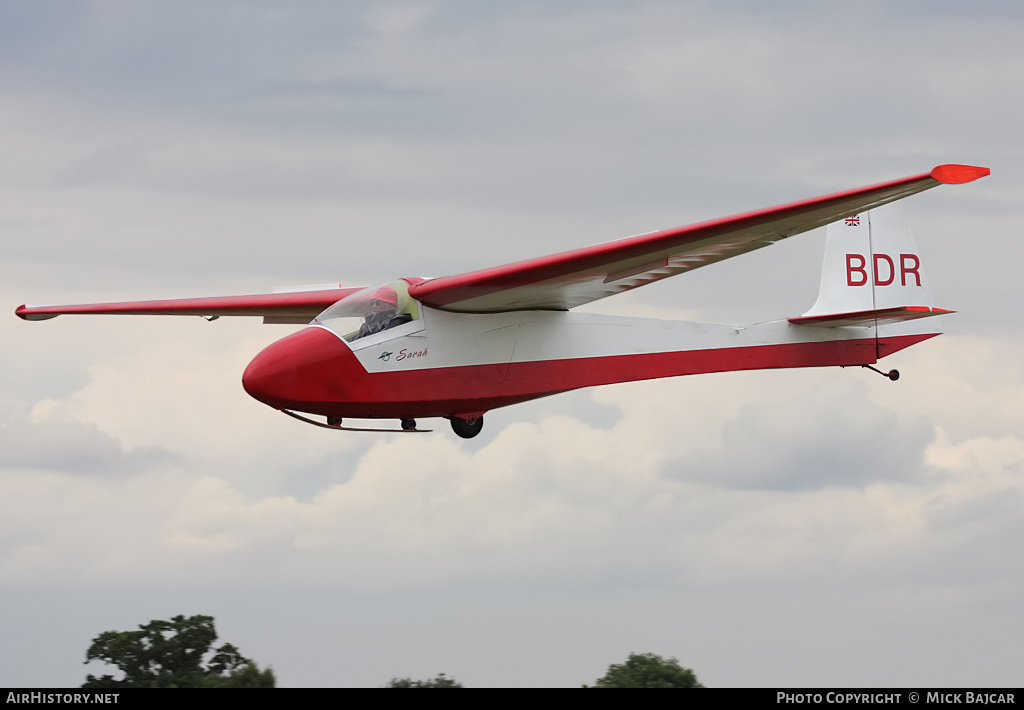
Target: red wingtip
<point>958,174</point>
<point>29,313</point>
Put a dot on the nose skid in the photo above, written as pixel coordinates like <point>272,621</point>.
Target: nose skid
<point>299,372</point>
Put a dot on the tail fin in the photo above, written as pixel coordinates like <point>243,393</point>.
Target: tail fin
<point>872,273</point>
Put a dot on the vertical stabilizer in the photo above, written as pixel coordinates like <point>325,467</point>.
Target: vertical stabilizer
<point>872,269</point>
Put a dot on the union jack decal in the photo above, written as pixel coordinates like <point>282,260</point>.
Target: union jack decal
<point>853,221</point>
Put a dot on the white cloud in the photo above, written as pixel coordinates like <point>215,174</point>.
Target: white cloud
<point>741,478</point>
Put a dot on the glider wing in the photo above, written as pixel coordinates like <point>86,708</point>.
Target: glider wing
<point>570,279</point>
<point>282,307</point>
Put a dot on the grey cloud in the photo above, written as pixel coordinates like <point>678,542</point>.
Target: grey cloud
<point>841,440</point>
<point>552,127</point>
<point>980,533</point>
<point>73,447</point>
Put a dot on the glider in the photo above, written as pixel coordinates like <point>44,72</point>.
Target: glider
<point>459,346</point>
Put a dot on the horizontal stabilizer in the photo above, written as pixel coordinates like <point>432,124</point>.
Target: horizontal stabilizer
<point>876,316</point>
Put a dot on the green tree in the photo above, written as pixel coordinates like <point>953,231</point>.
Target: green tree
<point>170,654</point>
<point>647,670</point>
<point>442,681</point>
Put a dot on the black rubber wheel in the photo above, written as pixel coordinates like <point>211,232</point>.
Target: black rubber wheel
<point>893,375</point>
<point>467,428</point>
<point>334,421</point>
<point>408,424</point>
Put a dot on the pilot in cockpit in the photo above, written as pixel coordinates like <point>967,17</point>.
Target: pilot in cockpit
<point>383,314</point>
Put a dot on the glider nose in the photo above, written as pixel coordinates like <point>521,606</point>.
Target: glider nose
<point>299,370</point>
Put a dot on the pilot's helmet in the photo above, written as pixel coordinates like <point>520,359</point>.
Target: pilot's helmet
<point>385,294</point>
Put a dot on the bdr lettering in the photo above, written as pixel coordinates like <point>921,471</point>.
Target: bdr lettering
<point>883,269</point>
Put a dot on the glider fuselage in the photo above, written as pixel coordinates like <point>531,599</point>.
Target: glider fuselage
<point>455,364</point>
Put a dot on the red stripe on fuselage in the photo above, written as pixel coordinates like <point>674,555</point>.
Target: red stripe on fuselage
<point>313,371</point>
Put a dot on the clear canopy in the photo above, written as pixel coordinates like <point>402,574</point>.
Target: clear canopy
<point>370,311</point>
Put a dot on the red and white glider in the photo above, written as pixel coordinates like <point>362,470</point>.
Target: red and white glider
<point>458,346</point>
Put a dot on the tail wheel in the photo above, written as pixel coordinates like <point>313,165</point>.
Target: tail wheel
<point>467,428</point>
<point>891,374</point>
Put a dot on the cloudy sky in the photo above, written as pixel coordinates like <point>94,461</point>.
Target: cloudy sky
<point>803,528</point>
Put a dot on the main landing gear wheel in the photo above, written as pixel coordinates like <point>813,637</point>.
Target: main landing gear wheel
<point>467,428</point>
<point>408,424</point>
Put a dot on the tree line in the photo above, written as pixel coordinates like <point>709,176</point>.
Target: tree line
<point>179,653</point>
